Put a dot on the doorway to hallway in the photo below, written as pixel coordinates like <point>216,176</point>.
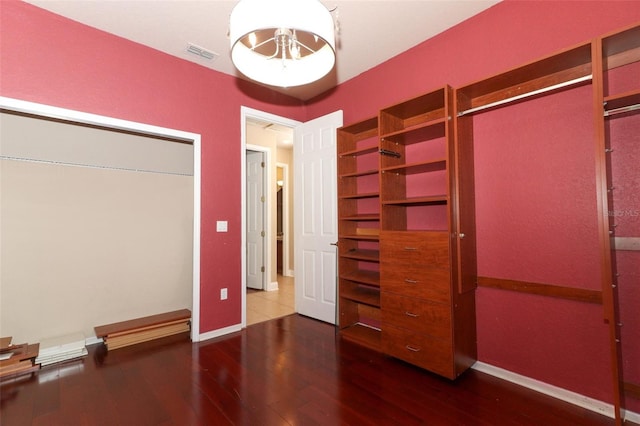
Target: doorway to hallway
<point>269,283</point>
<point>266,305</point>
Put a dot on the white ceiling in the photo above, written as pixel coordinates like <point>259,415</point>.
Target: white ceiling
<point>370,32</point>
<point>282,134</point>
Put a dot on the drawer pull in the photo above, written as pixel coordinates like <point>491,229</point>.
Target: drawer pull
<point>407,280</point>
<point>412,348</point>
<point>411,314</point>
<point>411,248</point>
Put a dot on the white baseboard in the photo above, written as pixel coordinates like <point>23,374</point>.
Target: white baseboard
<point>93,340</point>
<point>632,417</point>
<point>273,286</point>
<point>289,273</point>
<point>219,332</point>
<point>574,398</point>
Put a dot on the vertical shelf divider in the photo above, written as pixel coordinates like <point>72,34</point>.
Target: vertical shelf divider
<point>616,95</point>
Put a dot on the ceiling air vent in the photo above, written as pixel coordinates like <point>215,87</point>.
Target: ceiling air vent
<point>201,51</point>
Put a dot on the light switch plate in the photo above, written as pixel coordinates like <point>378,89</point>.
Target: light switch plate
<point>221,226</point>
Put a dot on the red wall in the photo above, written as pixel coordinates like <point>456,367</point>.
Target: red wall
<point>52,60</point>
<point>536,211</point>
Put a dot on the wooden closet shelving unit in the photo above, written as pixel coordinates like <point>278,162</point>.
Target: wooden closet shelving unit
<point>359,233</point>
<point>427,317</point>
<point>399,245</point>
<point>425,225</point>
<point>616,87</point>
<point>567,68</point>
<point>600,63</point>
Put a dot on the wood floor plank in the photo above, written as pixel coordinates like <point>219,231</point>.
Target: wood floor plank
<point>17,399</point>
<point>288,371</point>
<point>47,399</point>
<point>424,408</point>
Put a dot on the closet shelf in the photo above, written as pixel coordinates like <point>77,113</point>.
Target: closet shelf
<point>571,66</point>
<point>362,217</point>
<point>357,196</point>
<point>362,294</point>
<point>417,201</point>
<point>360,237</point>
<point>359,151</point>
<point>415,168</point>
<point>371,278</point>
<point>362,254</point>
<point>363,335</point>
<point>418,133</point>
<point>359,173</point>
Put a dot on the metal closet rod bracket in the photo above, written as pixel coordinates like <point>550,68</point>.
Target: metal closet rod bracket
<point>389,153</point>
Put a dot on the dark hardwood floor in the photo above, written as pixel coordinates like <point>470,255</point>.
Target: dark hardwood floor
<point>288,371</point>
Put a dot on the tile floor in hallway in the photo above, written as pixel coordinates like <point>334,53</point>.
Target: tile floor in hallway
<point>266,305</point>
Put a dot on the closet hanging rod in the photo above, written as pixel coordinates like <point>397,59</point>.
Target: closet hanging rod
<point>621,110</point>
<point>526,95</point>
<point>90,166</point>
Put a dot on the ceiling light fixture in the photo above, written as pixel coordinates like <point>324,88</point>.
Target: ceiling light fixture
<point>283,43</point>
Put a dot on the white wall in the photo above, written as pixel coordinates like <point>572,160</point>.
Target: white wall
<point>86,246</point>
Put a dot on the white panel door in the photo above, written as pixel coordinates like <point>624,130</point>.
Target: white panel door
<point>255,220</point>
<point>315,216</point>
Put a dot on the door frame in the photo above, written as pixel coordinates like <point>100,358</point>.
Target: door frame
<point>285,219</point>
<point>245,113</point>
<point>115,124</point>
<point>266,217</point>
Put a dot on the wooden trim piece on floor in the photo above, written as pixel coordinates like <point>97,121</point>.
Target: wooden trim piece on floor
<point>138,324</point>
<point>570,293</point>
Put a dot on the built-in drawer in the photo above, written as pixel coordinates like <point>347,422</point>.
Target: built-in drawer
<point>431,353</point>
<point>414,280</point>
<point>430,249</point>
<point>414,314</point>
